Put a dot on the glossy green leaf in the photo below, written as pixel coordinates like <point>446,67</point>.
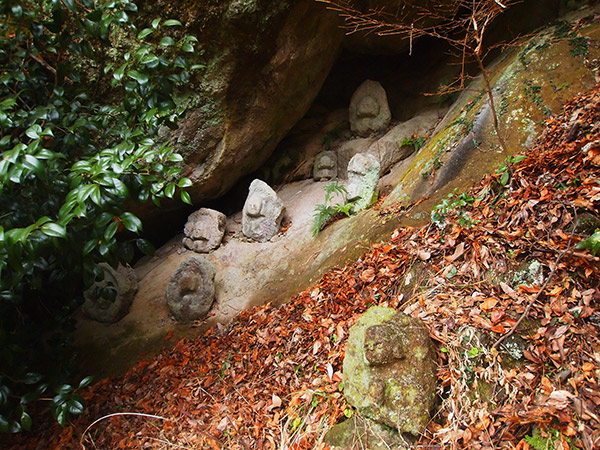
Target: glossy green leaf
<point>89,246</point>
<point>53,230</point>
<point>170,190</point>
<point>26,421</point>
<point>145,246</point>
<point>32,378</point>
<point>96,195</point>
<point>33,132</point>
<point>166,41</point>
<point>172,23</point>
<point>131,222</point>
<point>62,390</point>
<point>86,381</point>
<point>70,4</point>
<point>140,77</point>
<point>62,418</point>
<point>175,157</point>
<point>185,198</point>
<point>111,230</point>
<point>32,163</point>
<point>184,182</point>
<point>75,407</point>
<point>95,15</point>
<point>145,33</point>
<point>29,397</point>
<point>4,425</point>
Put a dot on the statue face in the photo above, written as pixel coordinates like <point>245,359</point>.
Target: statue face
<point>355,183</point>
<point>254,207</point>
<point>325,162</point>
<point>325,167</point>
<point>367,108</point>
<point>383,345</point>
<point>189,284</point>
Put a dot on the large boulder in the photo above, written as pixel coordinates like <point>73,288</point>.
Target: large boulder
<point>191,291</point>
<point>529,82</point>
<point>400,142</point>
<point>390,370</point>
<point>265,63</point>
<point>109,300</point>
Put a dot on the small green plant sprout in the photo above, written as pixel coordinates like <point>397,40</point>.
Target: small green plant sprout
<point>324,212</point>
<point>592,243</point>
<point>415,141</point>
<point>453,204</point>
<point>505,170</point>
<point>67,402</point>
<point>548,440</point>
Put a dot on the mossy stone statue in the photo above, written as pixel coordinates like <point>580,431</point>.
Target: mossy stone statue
<point>390,370</point>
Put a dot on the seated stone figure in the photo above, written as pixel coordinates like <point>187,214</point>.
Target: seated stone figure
<point>262,212</point>
<point>390,370</point>
<point>204,230</point>
<point>109,300</point>
<point>191,290</point>
<point>363,175</point>
<point>325,166</point>
<point>369,110</point>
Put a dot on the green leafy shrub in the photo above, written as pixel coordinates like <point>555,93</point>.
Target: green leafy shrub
<point>453,204</point>
<point>416,142</point>
<point>325,212</point>
<point>79,136</point>
<point>505,170</point>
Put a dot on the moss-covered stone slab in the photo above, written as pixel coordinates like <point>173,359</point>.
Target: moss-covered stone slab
<point>390,370</point>
<point>531,80</point>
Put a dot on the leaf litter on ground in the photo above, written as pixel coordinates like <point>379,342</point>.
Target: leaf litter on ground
<point>272,379</point>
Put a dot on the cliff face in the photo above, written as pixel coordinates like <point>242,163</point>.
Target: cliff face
<point>265,63</point>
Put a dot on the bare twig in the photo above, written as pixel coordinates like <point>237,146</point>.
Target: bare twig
<point>42,62</point>
<point>463,31</point>
<point>108,416</point>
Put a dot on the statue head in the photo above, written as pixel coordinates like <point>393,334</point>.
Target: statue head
<point>367,107</point>
<point>325,166</point>
<point>254,206</point>
<point>363,173</point>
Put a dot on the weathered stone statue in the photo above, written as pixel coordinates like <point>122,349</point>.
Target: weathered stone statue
<point>325,166</point>
<point>369,109</point>
<point>262,212</point>
<point>363,175</point>
<point>390,370</point>
<point>191,291</point>
<point>109,300</point>
<point>204,230</point>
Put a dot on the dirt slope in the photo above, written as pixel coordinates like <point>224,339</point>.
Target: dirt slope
<point>271,379</point>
